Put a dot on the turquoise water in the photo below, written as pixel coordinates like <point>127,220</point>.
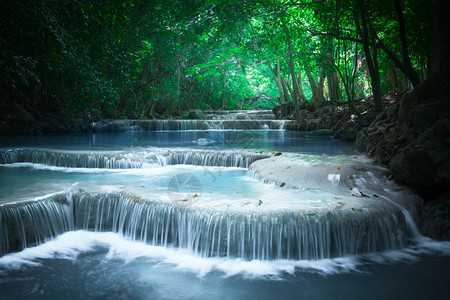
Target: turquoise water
<point>86,265</point>
<point>263,140</point>
<point>83,264</point>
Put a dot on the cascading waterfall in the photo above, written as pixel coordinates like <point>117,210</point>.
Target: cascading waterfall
<point>32,223</point>
<point>408,214</point>
<point>136,160</point>
<point>231,229</point>
<point>68,159</point>
<point>410,222</point>
<point>170,125</point>
<point>305,220</point>
<point>211,158</point>
<point>217,120</point>
<point>239,114</point>
<point>247,235</point>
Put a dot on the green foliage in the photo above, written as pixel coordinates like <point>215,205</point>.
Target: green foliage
<point>146,59</point>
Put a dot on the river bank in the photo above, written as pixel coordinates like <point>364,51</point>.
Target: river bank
<point>410,137</point>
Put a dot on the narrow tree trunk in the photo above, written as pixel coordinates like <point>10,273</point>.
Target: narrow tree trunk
<point>277,81</point>
<point>440,59</point>
<point>289,89</point>
<point>372,63</point>
<point>292,71</point>
<point>301,96</point>
<point>334,91</point>
<point>316,89</point>
<point>285,90</point>
<point>320,86</point>
<point>412,75</point>
<point>224,102</point>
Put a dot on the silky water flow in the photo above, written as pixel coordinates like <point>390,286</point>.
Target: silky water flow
<point>232,207</point>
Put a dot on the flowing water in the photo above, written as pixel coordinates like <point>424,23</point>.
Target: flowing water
<point>176,210</point>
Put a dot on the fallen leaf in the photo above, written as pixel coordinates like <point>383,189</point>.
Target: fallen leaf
<point>376,196</point>
<point>338,168</point>
<point>364,195</point>
<point>311,213</point>
<point>356,208</point>
<point>193,196</point>
<point>282,184</point>
<point>277,154</point>
<point>260,202</point>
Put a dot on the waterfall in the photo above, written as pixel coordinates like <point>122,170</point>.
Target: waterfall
<point>32,223</point>
<point>211,158</point>
<point>408,219</point>
<point>170,125</point>
<point>239,114</point>
<point>136,160</point>
<point>68,159</point>
<point>247,235</point>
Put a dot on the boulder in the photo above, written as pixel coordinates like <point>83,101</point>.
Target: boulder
<point>284,110</point>
<point>435,221</point>
<point>196,114</point>
<point>425,161</point>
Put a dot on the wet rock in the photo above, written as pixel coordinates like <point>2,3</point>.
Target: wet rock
<point>435,221</point>
<point>321,132</point>
<point>425,160</point>
<point>284,110</point>
<point>196,115</point>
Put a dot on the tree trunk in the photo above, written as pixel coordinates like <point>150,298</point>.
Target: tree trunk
<point>395,85</point>
<point>440,59</point>
<point>289,89</point>
<point>277,81</point>
<point>224,102</point>
<point>334,91</point>
<point>300,94</point>
<point>294,79</point>
<point>412,75</point>
<point>285,90</point>
<point>371,58</point>
<point>291,66</point>
<point>320,86</point>
<point>316,89</point>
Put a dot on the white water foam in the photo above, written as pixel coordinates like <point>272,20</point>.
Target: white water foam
<point>156,169</point>
<point>71,244</point>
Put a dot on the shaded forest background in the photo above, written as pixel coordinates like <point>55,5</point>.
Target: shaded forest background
<point>67,63</point>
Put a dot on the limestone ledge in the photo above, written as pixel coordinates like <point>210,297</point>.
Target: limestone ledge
<point>350,176</point>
